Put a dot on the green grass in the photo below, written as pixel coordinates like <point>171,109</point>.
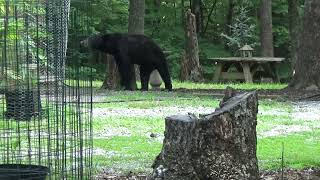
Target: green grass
<point>190,85</point>
<point>135,125</point>
<point>83,83</point>
<point>134,153</point>
<point>267,122</point>
<point>300,150</point>
<point>146,100</point>
<point>126,144</point>
<point>146,95</point>
<point>160,103</point>
<point>268,104</point>
<point>135,150</point>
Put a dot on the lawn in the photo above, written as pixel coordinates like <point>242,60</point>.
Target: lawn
<point>128,130</point>
<point>128,127</point>
<point>190,85</point>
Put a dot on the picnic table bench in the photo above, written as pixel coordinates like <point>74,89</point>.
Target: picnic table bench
<point>246,67</point>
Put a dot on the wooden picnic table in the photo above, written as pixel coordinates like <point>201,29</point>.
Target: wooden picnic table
<point>246,67</point>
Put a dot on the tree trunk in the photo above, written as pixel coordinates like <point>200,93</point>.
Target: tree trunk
<point>136,26</point>
<point>214,4</point>
<point>221,145</point>
<point>229,17</point>
<point>157,3</point>
<point>266,28</point>
<point>155,78</point>
<point>196,10</point>
<point>175,12</point>
<point>136,17</point>
<point>294,25</point>
<point>307,68</point>
<point>266,38</point>
<point>112,78</point>
<point>193,68</point>
<point>184,71</point>
<point>183,19</point>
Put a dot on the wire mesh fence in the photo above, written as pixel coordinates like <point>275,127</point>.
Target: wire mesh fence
<point>45,117</point>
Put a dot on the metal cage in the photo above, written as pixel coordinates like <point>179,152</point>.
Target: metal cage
<point>45,114</point>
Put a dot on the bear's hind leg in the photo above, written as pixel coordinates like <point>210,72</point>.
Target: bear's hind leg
<point>165,75</point>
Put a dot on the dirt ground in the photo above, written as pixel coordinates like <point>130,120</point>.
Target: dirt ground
<point>291,174</point>
<point>288,174</point>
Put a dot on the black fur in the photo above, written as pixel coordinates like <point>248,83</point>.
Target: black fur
<point>129,50</point>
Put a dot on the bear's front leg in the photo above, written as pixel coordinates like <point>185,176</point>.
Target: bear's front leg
<point>145,72</point>
<point>126,71</point>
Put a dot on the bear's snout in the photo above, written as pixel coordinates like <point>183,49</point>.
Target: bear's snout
<point>84,43</point>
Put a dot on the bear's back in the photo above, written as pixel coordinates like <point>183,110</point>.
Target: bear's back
<point>138,47</point>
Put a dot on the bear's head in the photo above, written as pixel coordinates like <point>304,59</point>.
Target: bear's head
<point>101,42</point>
<point>93,42</point>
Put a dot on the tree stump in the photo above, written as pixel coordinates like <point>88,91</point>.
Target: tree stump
<point>191,68</point>
<point>221,145</point>
<point>112,78</point>
<point>184,71</point>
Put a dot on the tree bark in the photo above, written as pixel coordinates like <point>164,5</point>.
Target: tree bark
<point>209,16</point>
<point>266,28</point>
<point>294,25</point>
<point>157,3</point>
<point>136,16</point>
<point>183,19</point>
<point>307,67</point>
<point>196,10</point>
<point>193,69</point>
<point>267,49</point>
<point>136,26</point>
<point>112,77</point>
<point>155,78</point>
<point>221,145</point>
<point>229,17</point>
<point>184,71</point>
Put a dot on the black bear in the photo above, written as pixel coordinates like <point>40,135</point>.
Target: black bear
<point>130,49</point>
